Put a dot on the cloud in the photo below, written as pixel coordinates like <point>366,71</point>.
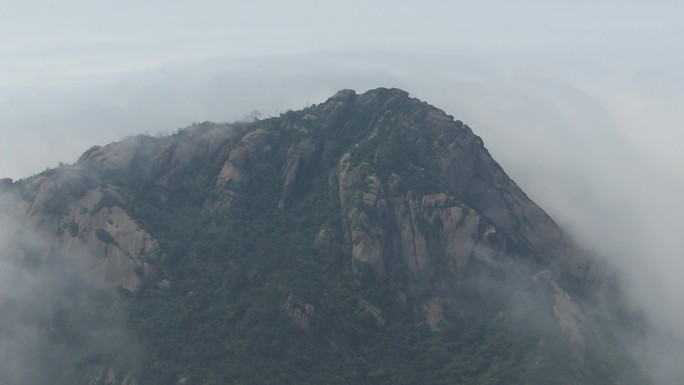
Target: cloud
<point>57,325</point>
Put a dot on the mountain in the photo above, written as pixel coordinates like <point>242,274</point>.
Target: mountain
<point>370,239</point>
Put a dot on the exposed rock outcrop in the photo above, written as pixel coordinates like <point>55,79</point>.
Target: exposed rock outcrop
<point>302,314</point>
<point>421,192</point>
<point>72,216</point>
<point>238,169</point>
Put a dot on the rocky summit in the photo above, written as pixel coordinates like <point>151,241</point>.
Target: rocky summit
<point>370,239</point>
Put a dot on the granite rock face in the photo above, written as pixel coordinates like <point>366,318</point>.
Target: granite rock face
<point>74,216</point>
<point>449,208</point>
<point>82,210</point>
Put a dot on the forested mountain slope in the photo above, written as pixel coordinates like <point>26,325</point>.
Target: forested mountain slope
<point>370,239</point>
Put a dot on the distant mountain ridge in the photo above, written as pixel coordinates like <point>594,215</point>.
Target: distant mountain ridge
<point>368,239</point>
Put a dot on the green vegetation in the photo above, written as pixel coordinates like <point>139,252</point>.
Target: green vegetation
<point>253,284</point>
<point>221,320</point>
<point>253,281</point>
<point>213,310</point>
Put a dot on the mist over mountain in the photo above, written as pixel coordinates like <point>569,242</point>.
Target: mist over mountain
<point>367,239</point>
<point>581,102</point>
<point>58,323</point>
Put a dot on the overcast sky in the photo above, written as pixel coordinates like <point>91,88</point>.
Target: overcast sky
<point>79,72</point>
<point>582,102</point>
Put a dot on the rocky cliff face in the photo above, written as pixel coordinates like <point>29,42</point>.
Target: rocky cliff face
<point>417,196</point>
<point>449,208</point>
<point>83,210</point>
<point>83,218</point>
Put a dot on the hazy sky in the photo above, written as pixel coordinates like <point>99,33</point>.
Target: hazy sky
<point>582,102</point>
<point>75,73</point>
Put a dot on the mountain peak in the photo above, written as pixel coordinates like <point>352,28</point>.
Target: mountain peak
<point>343,95</point>
<point>372,214</point>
